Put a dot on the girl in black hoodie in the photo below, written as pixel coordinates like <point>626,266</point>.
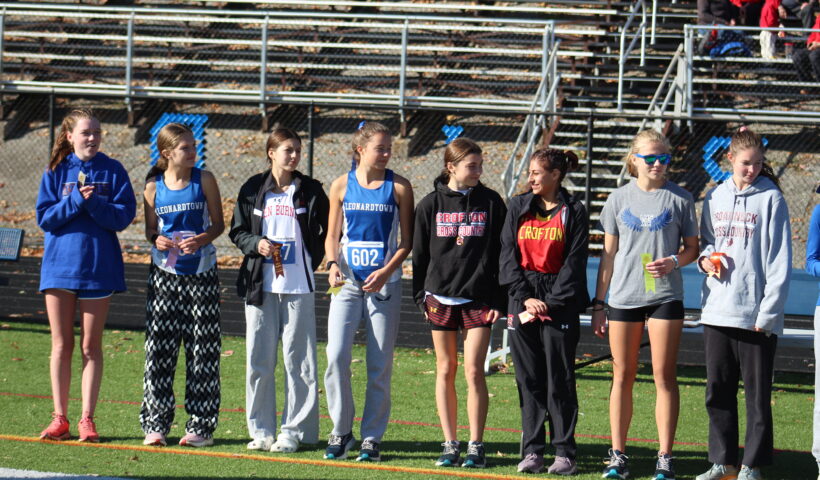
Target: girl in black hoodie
<point>544,249</point>
<point>455,283</point>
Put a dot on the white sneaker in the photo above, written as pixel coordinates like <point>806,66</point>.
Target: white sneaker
<point>719,472</point>
<point>260,444</point>
<point>285,444</point>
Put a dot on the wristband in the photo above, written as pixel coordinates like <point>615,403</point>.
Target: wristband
<point>154,238</point>
<point>596,301</point>
<point>675,259</point>
<point>330,263</point>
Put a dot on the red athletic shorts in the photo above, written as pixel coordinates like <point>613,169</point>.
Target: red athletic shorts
<point>455,317</point>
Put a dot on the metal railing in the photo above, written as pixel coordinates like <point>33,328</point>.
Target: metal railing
<point>624,52</point>
<point>393,52</point>
<point>534,125</point>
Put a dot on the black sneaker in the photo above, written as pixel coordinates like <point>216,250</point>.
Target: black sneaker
<point>664,469</point>
<point>338,446</point>
<point>616,465</point>
<point>369,451</point>
<point>451,454</point>
<point>475,456</point>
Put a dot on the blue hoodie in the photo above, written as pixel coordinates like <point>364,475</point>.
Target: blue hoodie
<point>751,226</point>
<point>81,246</point>
<point>813,246</point>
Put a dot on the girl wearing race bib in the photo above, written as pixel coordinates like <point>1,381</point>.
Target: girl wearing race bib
<point>85,198</point>
<point>645,224</point>
<point>456,242</point>
<point>745,229</point>
<point>280,224</point>
<point>368,207</point>
<point>183,215</point>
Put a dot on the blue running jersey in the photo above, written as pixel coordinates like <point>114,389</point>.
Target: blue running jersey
<point>370,228</point>
<point>183,213</point>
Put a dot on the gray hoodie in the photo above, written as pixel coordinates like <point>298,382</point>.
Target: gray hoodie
<point>751,226</point>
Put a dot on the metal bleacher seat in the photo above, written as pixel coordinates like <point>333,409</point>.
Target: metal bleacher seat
<point>11,242</point>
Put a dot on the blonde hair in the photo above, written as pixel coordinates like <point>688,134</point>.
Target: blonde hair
<point>167,139</point>
<point>642,138</point>
<point>364,134</point>
<point>62,147</point>
<point>745,139</point>
<point>455,152</point>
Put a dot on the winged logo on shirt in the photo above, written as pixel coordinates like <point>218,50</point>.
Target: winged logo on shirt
<point>650,222</point>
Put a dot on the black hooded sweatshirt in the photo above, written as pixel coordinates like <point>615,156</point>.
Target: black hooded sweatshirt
<point>456,242</point>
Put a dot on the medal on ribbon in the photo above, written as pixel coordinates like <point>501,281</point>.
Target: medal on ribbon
<point>173,254</point>
<point>277,260</point>
<point>81,178</point>
<point>648,279</point>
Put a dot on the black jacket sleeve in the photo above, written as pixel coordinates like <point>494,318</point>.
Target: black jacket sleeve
<point>421,249</point>
<point>241,233</point>
<point>570,287</point>
<point>499,300</point>
<point>321,212</point>
<point>510,273</point>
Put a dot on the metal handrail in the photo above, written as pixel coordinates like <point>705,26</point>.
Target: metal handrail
<point>624,52</point>
<point>651,112</point>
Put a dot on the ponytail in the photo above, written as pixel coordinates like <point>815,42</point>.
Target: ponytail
<point>62,147</point>
<point>743,139</point>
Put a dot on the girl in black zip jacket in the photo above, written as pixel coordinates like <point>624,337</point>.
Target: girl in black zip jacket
<point>544,249</point>
<point>280,224</point>
<point>455,283</point>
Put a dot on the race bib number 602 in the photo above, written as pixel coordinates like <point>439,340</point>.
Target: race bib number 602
<point>365,255</point>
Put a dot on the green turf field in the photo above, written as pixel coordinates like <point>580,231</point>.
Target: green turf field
<point>410,446</point>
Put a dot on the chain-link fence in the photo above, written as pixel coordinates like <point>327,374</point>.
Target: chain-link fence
<point>235,151</point>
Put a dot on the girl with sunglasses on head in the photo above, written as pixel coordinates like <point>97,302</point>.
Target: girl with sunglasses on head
<point>645,222</point>
<point>746,253</point>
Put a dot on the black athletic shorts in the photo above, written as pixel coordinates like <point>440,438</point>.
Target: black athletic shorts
<point>663,311</point>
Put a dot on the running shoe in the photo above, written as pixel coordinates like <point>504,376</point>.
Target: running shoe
<point>194,440</point>
<point>532,463</point>
<point>338,446</point>
<point>616,465</point>
<point>88,430</point>
<point>475,457</point>
<point>155,439</point>
<point>57,429</point>
<point>749,473</point>
<point>563,466</point>
<point>663,468</point>
<point>369,451</point>
<point>451,454</point>
<point>719,472</point>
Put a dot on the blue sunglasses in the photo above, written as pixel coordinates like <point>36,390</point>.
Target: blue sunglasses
<point>664,158</point>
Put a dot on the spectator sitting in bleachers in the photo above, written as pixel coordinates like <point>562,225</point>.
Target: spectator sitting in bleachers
<point>714,12</point>
<point>769,18</point>
<point>801,9</point>
<point>749,11</point>
<point>807,61</point>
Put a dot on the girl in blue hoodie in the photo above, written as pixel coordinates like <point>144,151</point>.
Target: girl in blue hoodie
<point>813,267</point>
<point>746,253</point>
<point>85,198</point>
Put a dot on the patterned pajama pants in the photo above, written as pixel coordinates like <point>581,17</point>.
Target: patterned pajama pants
<point>182,308</point>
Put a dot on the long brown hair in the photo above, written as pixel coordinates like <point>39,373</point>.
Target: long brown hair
<point>643,137</point>
<point>62,147</point>
<point>744,139</point>
<point>552,159</point>
<point>364,134</point>
<point>277,136</point>
<point>167,139</point>
<point>456,151</point>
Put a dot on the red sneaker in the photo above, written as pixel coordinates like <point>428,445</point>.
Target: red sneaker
<point>88,431</point>
<point>57,429</point>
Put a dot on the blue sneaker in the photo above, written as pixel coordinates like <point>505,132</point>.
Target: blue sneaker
<point>475,456</point>
<point>338,446</point>
<point>616,465</point>
<point>664,469</point>
<point>451,454</point>
<point>369,451</point>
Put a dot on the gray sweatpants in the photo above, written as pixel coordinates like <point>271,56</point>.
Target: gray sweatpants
<point>380,312</point>
<point>292,318</point>
<point>815,448</point>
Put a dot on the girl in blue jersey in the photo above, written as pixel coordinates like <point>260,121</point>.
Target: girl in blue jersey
<point>85,198</point>
<point>368,206</point>
<point>183,215</point>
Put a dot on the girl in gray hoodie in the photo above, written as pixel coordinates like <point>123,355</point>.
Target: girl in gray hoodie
<point>746,254</point>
